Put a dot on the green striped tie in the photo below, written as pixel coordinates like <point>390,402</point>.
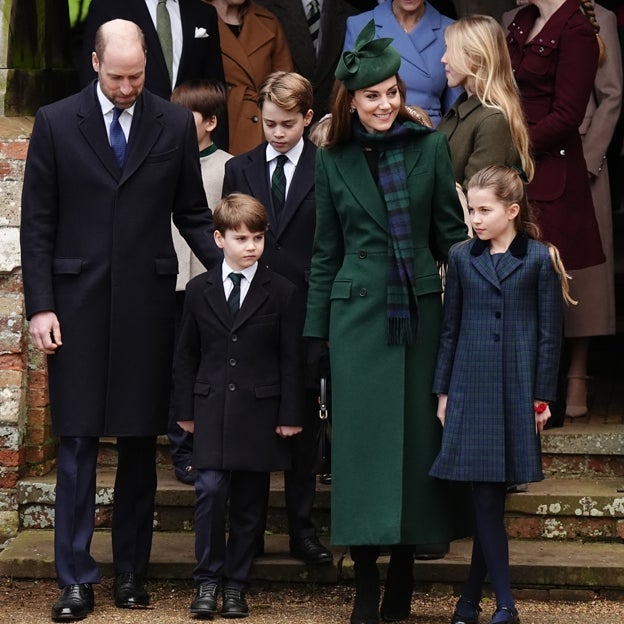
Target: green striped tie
<point>278,185</point>
<point>163,28</point>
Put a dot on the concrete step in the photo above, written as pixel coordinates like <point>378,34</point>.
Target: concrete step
<point>534,564</point>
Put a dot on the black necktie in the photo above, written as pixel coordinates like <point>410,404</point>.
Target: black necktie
<point>234,298</point>
<point>118,138</point>
<point>278,185</point>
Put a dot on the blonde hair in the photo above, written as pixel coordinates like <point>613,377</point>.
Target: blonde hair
<point>287,90</point>
<point>508,188</point>
<point>319,130</point>
<point>476,47</point>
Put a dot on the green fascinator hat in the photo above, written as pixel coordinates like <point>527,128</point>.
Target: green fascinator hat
<point>370,62</point>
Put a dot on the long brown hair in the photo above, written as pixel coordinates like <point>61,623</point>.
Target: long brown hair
<point>508,188</point>
<point>341,128</point>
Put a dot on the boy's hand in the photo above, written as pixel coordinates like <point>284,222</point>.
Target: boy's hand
<point>442,398</point>
<point>187,425</point>
<point>284,431</point>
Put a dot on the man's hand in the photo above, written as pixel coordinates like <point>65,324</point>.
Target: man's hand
<point>46,332</point>
<point>285,431</point>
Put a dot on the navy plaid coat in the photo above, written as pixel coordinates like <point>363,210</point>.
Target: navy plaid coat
<point>499,350</point>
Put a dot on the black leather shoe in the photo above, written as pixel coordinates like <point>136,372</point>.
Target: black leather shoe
<point>75,603</point>
<point>185,473</point>
<point>129,591</point>
<point>205,602</point>
<point>234,604</point>
<point>310,550</point>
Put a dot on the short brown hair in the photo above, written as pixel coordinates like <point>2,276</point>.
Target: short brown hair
<point>202,96</point>
<point>287,90</point>
<point>238,209</point>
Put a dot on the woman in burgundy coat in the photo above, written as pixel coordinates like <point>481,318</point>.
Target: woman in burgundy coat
<point>555,54</point>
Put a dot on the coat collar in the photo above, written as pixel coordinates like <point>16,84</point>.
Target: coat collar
<point>410,46</point>
<point>551,32</point>
<point>146,129</point>
<point>257,294</point>
<point>507,265</point>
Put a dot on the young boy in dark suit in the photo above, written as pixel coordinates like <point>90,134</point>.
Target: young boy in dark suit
<point>238,389</point>
<point>280,173</point>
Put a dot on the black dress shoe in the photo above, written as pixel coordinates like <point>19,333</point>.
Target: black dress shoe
<point>75,603</point>
<point>205,601</point>
<point>234,604</point>
<point>129,591</point>
<point>185,473</point>
<point>310,550</point>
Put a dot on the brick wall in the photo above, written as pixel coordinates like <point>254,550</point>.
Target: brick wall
<point>26,443</point>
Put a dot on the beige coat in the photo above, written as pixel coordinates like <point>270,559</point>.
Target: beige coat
<point>212,168</point>
<point>260,49</point>
<point>593,287</point>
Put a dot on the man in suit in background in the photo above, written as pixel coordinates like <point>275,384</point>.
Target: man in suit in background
<point>106,169</point>
<point>315,30</point>
<point>183,47</point>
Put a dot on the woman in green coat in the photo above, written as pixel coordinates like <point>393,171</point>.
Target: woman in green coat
<point>387,210</point>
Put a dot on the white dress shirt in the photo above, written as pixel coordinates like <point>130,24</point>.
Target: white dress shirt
<point>228,285</point>
<point>293,156</point>
<point>125,119</point>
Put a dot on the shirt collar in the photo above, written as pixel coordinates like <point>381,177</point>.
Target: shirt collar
<point>292,154</point>
<point>248,273</point>
<point>106,105</point>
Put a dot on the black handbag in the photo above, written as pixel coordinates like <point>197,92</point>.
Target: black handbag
<point>322,457</point>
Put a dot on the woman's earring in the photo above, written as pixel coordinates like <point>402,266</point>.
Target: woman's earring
<point>351,110</point>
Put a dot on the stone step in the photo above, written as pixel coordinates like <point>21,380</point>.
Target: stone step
<point>175,502</point>
<point>586,448</point>
<point>556,509</point>
<point>541,565</point>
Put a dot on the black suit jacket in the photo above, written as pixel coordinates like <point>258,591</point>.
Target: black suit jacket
<point>319,71</point>
<point>201,57</point>
<point>288,243</point>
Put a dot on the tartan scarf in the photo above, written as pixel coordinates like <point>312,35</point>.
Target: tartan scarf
<point>401,302</point>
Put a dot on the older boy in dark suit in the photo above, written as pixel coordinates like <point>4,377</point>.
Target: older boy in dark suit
<point>280,173</point>
<point>238,389</point>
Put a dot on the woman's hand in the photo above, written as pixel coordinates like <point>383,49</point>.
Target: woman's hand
<point>442,399</point>
<point>285,431</point>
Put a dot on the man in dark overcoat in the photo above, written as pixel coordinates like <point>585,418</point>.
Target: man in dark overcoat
<point>106,169</point>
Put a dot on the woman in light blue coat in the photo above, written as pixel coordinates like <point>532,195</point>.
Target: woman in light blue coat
<point>417,30</point>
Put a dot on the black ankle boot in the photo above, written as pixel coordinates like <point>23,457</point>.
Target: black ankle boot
<point>397,600</point>
<point>366,603</point>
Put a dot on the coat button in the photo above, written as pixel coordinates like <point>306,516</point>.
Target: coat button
<point>562,152</point>
<point>497,315</point>
<point>231,387</point>
<point>234,338</point>
<point>363,292</point>
<point>278,247</point>
<point>232,362</point>
<point>362,254</point>
<point>255,119</point>
<point>496,337</point>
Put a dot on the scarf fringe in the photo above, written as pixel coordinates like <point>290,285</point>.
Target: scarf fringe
<point>400,331</point>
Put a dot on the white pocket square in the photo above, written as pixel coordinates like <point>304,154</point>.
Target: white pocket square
<point>201,33</point>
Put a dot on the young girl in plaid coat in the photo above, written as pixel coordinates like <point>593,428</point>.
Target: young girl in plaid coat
<point>497,369</point>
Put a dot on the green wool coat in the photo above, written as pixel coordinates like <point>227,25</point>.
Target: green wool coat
<point>385,431</point>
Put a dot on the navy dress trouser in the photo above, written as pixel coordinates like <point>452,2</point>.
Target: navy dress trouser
<point>228,564</point>
<point>133,507</point>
